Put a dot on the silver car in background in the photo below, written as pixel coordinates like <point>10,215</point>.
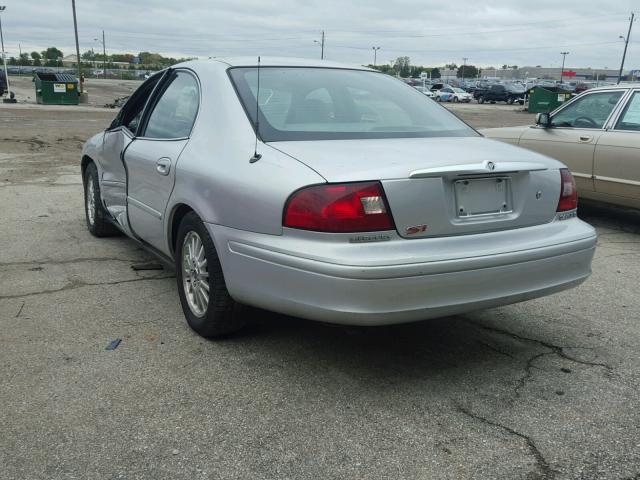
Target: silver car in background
<point>328,192</point>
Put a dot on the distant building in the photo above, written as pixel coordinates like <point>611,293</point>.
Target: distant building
<point>69,60</point>
<point>553,73</point>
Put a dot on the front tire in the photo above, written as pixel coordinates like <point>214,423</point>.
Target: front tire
<point>209,309</point>
<point>96,216</point>
<point>456,99</point>
<point>481,100</point>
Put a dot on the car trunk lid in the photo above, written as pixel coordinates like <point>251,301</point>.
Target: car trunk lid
<point>443,186</point>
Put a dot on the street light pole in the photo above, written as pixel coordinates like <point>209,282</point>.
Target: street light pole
<point>564,55</point>
<point>4,57</point>
<point>104,55</point>
<point>375,55</point>
<point>626,44</point>
<point>321,43</point>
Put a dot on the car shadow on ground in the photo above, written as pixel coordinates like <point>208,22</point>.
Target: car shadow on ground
<point>610,216</point>
<point>461,347</point>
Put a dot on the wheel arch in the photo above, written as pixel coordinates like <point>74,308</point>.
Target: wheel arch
<point>84,163</point>
<point>178,212</point>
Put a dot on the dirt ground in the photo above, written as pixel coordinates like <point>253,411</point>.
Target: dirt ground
<point>101,91</point>
<point>546,389</point>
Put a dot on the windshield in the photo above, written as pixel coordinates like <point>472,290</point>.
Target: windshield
<point>324,103</point>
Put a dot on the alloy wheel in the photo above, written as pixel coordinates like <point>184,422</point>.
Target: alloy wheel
<point>195,274</point>
<point>91,202</point>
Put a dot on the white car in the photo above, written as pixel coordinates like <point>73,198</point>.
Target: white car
<point>425,91</point>
<point>452,94</point>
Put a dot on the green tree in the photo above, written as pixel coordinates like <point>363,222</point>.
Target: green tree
<point>435,73</point>
<point>12,61</point>
<point>24,59</point>
<point>88,56</point>
<point>122,57</point>
<point>402,66</point>
<point>52,53</point>
<point>37,59</point>
<point>468,71</point>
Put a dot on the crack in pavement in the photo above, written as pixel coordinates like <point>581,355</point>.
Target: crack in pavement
<point>528,373</point>
<point>543,465</point>
<point>20,311</point>
<point>79,284</point>
<point>74,260</point>
<point>556,349</point>
<point>497,350</point>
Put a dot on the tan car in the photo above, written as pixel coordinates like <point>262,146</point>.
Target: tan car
<point>597,135</point>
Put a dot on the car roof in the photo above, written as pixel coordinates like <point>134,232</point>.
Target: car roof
<point>280,62</point>
<point>623,85</point>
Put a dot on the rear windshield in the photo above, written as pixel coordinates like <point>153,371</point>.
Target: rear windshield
<point>297,103</point>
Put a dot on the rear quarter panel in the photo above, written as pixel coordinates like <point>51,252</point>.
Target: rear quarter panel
<point>213,174</point>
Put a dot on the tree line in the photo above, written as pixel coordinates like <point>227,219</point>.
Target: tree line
<point>402,67</point>
<point>52,57</point>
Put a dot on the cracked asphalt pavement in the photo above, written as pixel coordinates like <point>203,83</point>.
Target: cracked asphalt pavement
<point>547,389</point>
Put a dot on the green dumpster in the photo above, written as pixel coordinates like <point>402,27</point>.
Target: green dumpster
<point>546,99</point>
<point>56,89</point>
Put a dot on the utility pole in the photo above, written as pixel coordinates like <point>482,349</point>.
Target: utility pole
<point>464,64</point>
<point>564,55</point>
<point>4,59</point>
<point>626,44</point>
<point>75,28</point>
<point>375,55</point>
<point>104,56</point>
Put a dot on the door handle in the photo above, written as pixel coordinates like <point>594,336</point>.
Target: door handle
<point>163,166</point>
<point>585,138</point>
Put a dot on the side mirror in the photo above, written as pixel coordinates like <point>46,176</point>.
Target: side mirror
<point>543,119</point>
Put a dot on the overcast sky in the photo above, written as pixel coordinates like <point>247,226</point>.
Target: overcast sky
<point>433,33</point>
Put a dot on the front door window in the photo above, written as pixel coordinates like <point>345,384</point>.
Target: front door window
<point>590,111</point>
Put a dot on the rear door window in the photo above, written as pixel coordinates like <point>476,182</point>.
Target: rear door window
<point>131,113</point>
<point>174,113</point>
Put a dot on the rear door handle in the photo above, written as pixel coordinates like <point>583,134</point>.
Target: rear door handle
<point>163,166</point>
<point>585,138</point>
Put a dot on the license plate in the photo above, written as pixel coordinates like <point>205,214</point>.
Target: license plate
<point>483,196</point>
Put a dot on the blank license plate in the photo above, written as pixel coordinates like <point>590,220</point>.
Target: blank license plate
<point>482,196</point>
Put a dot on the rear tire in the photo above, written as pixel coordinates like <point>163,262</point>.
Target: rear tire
<point>481,100</point>
<point>96,216</point>
<point>455,100</point>
<point>209,309</point>
<point>510,101</point>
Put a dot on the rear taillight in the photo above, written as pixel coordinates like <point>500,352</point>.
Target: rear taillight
<point>568,193</point>
<point>339,208</point>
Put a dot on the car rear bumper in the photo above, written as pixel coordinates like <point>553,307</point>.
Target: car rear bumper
<point>379,289</point>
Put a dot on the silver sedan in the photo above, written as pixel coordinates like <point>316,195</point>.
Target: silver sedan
<point>328,192</point>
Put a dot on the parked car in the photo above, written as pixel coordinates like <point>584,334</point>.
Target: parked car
<point>425,91</point>
<point>452,94</point>
<point>500,93</point>
<point>438,86</point>
<point>329,192</point>
<point>597,134</point>
<point>3,83</point>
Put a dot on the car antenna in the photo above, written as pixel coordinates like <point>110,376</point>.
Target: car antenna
<point>257,156</point>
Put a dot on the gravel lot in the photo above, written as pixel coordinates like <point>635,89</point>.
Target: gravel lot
<point>543,389</point>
